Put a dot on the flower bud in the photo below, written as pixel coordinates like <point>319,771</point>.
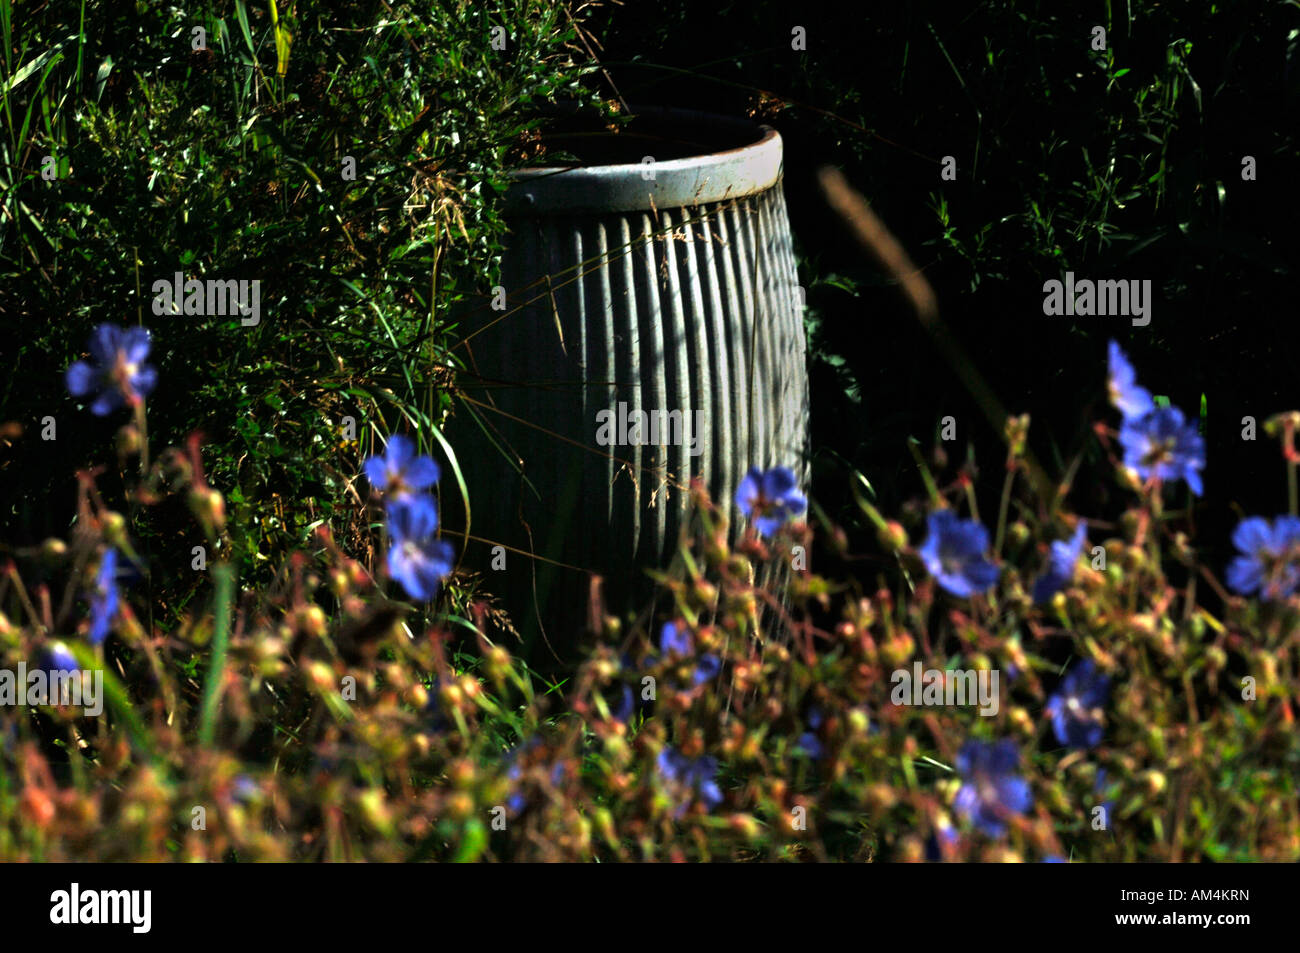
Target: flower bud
<point>37,806</point>
<point>898,649</point>
<point>114,528</point>
<point>128,441</point>
<point>451,695</point>
<point>892,536</point>
<point>356,574</point>
<point>746,825</point>
<point>605,825</point>
<point>311,620</point>
<point>881,797</point>
<point>375,810</point>
<point>461,774</point>
<point>321,676</point>
<point>706,592</point>
<point>498,663</point>
<point>395,676</point>
<point>1155,782</point>
<point>911,850</point>
<point>209,507</point>
<point>53,550</point>
<point>859,722</point>
<point>1023,722</point>
<point>460,805</point>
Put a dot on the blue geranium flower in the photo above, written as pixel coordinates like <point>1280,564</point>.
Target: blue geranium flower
<point>992,791</point>
<point>57,657</point>
<point>1164,446</point>
<point>675,640</point>
<point>1077,707</point>
<point>518,799</point>
<point>808,742</point>
<point>1269,556</point>
<point>626,706</point>
<point>418,559</point>
<point>1060,564</point>
<point>244,790</point>
<point>707,669</point>
<point>769,498</point>
<point>104,602</point>
<point>117,374</point>
<point>516,802</point>
<point>399,471</point>
<point>1133,401</point>
<point>954,554</point>
<point>694,777</point>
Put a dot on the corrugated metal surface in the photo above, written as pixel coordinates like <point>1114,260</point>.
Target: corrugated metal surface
<point>664,308</point>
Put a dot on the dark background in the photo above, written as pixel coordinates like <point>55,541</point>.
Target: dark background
<point>1033,117</point>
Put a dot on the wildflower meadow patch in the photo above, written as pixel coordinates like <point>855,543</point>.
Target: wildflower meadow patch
<point>248,612</point>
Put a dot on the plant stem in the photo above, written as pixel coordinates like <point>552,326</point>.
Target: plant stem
<point>1291,486</point>
<point>1002,510</point>
<point>225,576</point>
<point>142,425</point>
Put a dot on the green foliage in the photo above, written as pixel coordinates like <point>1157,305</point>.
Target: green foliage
<point>228,163</point>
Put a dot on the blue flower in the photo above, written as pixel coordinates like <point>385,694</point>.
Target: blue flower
<point>244,790</point>
<point>1060,564</point>
<point>1055,859</point>
<point>118,373</point>
<point>516,802</point>
<point>769,498</point>
<point>418,559</point>
<point>1133,401</point>
<point>808,742</point>
<point>399,471</point>
<point>675,640</point>
<point>694,775</point>
<point>103,604</point>
<point>1268,564</point>
<point>626,706</point>
<point>707,670</point>
<point>1076,708</point>
<point>1163,446</point>
<point>992,790</point>
<point>954,554</point>
<point>57,657</point>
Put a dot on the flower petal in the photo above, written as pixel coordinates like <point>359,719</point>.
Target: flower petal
<point>81,379</point>
<point>133,343</point>
<point>104,343</point>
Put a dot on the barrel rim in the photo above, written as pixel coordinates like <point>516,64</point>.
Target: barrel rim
<point>694,180</point>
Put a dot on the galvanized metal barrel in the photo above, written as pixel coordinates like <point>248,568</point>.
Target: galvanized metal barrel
<point>663,283</point>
